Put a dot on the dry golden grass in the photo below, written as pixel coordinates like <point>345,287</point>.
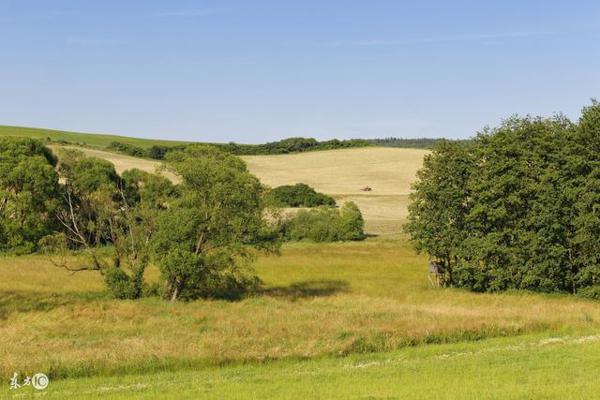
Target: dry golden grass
<point>388,171</point>
<point>339,173</point>
<point>318,300</point>
<point>342,173</point>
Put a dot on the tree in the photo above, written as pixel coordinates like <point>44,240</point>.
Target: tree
<point>203,241</point>
<point>439,203</point>
<point>28,194</point>
<point>101,208</point>
<point>516,209</point>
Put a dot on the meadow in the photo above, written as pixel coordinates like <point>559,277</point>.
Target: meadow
<point>320,302</point>
<point>337,320</point>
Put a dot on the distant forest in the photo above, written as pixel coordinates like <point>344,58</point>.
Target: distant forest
<point>417,143</point>
<point>284,146</point>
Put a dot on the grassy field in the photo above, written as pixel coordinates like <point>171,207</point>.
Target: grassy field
<point>318,300</point>
<point>342,320</point>
<point>339,173</point>
<point>529,367</point>
<point>89,139</point>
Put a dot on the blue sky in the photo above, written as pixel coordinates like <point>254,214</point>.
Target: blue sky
<point>254,71</point>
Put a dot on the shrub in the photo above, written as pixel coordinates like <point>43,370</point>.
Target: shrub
<point>126,148</point>
<point>325,224</point>
<point>298,195</point>
<point>119,284</point>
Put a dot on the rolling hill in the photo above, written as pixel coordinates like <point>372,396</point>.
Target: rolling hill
<point>88,139</point>
<point>339,173</point>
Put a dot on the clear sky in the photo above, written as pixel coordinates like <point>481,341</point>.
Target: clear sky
<point>254,71</point>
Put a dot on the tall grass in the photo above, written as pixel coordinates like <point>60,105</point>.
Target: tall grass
<point>318,300</point>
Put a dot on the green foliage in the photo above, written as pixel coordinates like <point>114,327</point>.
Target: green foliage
<point>285,146</point>
<point>418,143</point>
<point>127,148</point>
<point>101,208</point>
<point>291,145</point>
<point>298,195</point>
<point>28,194</point>
<point>516,209</point>
<point>326,224</point>
<point>202,241</point>
<point>120,284</point>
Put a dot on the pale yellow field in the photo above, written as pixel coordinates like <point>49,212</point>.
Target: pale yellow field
<point>339,173</point>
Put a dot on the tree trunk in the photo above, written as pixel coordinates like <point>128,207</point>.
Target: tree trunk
<point>176,289</point>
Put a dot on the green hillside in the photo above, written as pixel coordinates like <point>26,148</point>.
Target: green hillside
<point>89,139</point>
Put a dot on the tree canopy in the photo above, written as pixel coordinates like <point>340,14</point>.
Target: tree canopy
<point>204,240</point>
<point>28,194</point>
<point>516,208</point>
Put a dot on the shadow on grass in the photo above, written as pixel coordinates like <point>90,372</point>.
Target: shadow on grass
<point>22,302</point>
<point>307,289</point>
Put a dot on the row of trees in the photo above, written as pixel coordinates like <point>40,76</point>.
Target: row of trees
<point>284,146</point>
<point>516,208</point>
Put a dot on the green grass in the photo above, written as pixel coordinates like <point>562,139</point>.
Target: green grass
<point>88,139</point>
<point>535,366</point>
<point>319,300</point>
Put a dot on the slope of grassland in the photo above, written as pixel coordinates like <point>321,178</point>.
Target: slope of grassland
<point>339,173</point>
<point>89,139</point>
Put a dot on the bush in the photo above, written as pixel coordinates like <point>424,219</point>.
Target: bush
<point>298,195</point>
<point>325,224</point>
<point>126,148</point>
<point>590,292</point>
<point>119,284</point>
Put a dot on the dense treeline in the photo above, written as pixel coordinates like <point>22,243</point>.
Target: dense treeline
<point>516,208</point>
<point>285,146</point>
<point>418,143</point>
<point>292,145</point>
<point>298,195</point>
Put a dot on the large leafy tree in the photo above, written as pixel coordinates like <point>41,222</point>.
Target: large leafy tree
<point>110,220</point>
<point>440,203</point>
<point>203,241</point>
<point>28,193</point>
<point>516,209</point>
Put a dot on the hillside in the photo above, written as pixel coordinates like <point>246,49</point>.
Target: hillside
<point>339,173</point>
<point>89,139</point>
